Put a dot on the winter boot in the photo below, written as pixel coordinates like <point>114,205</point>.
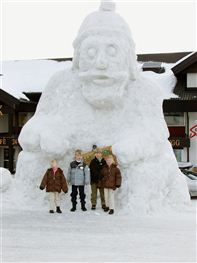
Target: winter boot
<point>103,207</point>
<point>83,208</point>
<point>106,209</point>
<point>73,209</point>
<point>111,211</point>
<point>51,211</point>
<point>58,210</point>
<point>93,207</point>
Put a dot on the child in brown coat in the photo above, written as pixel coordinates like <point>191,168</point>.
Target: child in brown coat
<point>110,180</point>
<point>54,181</point>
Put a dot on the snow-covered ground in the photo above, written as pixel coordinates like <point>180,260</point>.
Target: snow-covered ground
<point>36,235</point>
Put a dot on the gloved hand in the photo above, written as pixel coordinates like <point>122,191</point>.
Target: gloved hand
<point>114,188</point>
<point>66,192</point>
<point>117,186</point>
<point>41,188</point>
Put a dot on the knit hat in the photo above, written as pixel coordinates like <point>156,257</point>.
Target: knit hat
<point>104,22</point>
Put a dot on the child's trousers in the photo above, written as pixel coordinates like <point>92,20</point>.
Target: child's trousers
<point>109,197</point>
<point>54,200</point>
<point>74,194</point>
<point>94,194</point>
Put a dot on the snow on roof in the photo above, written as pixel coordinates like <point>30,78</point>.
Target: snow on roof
<point>28,75</point>
<point>166,80</point>
<point>184,58</point>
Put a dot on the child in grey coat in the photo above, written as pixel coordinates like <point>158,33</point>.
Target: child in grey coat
<point>78,177</point>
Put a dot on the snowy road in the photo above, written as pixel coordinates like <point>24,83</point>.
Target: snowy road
<point>95,236</point>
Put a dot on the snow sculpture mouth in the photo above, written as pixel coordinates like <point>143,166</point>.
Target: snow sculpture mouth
<point>103,80</point>
<point>103,90</point>
<point>108,79</point>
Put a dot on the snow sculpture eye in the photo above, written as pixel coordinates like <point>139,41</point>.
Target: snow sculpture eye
<point>91,52</point>
<point>111,50</point>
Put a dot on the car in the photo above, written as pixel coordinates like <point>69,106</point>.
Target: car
<point>185,165</point>
<point>190,176</point>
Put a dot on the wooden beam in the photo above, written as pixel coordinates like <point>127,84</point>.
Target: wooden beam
<point>180,106</point>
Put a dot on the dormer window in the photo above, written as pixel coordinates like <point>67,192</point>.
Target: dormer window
<point>191,80</point>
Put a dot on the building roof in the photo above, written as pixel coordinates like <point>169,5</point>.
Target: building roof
<point>184,63</point>
<point>11,101</point>
<point>163,57</point>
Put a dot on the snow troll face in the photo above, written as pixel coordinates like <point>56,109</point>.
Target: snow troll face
<point>104,100</point>
<point>103,71</point>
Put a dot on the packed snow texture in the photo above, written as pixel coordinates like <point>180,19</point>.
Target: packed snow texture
<point>104,99</point>
<point>94,236</point>
<point>6,178</point>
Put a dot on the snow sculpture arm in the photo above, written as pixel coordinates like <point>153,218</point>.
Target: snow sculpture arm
<point>147,132</point>
<point>44,129</point>
<point>48,103</point>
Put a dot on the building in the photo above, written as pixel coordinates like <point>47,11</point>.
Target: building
<point>181,113</point>
<point>16,108</point>
<point>14,113</point>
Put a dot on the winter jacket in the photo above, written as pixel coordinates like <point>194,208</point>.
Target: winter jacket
<point>54,182</point>
<point>78,173</point>
<point>110,177</point>
<point>95,169</point>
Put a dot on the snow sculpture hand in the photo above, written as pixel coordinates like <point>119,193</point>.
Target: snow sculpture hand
<point>53,143</point>
<point>29,138</point>
<point>125,152</point>
<point>135,148</point>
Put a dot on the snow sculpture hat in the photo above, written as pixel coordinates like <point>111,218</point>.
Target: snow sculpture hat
<point>105,22</point>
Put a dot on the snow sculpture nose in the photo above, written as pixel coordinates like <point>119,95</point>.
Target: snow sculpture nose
<point>101,62</point>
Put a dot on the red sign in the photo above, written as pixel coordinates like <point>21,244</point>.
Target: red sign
<point>193,131</point>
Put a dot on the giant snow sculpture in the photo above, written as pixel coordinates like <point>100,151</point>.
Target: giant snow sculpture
<point>105,100</point>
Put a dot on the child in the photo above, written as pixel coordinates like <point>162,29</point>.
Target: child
<point>54,181</point>
<point>78,177</point>
<point>110,180</point>
<point>95,168</point>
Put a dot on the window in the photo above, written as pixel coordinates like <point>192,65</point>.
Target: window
<point>175,118</point>
<point>191,80</point>
<point>4,123</point>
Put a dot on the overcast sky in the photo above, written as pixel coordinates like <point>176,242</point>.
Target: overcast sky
<point>46,29</point>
